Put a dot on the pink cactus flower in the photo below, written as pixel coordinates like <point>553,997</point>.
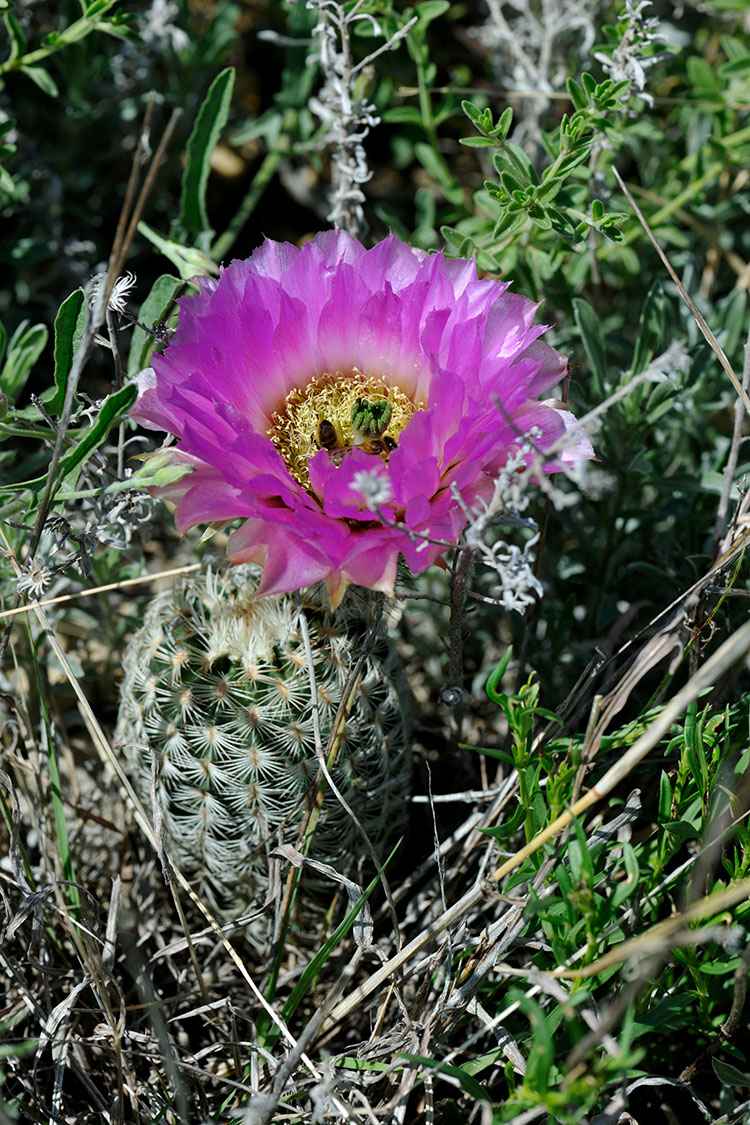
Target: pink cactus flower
<point>334,398</point>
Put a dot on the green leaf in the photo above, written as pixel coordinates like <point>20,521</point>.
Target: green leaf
<point>6,181</point>
<point>24,349</point>
<point>495,679</point>
<point>670,1014</point>
<point>490,752</point>
<point>590,328</point>
<point>17,37</point>
<point>541,217</point>
<point>731,319</point>
<point>513,187</point>
<point>403,115</point>
<point>474,114</point>
<point>581,865</point>
<point>42,78</point>
<point>508,828</point>
<point>502,128</point>
<point>431,159</point>
<point>504,164</point>
<point>548,190</point>
<point>468,1084</point>
<point>211,119</point>
<point>694,748</point>
<point>190,261</point>
<point>734,48</point>
<point>736,66</point>
<point>665,799</point>
<point>729,1075</point>
<point>477,142</point>
<point>681,830</point>
<point>112,408</point>
<point>460,246</point>
<point>701,75</point>
<point>625,889</point>
<point>429,10</point>
<point>153,310</point>
<point>652,328</point>
<point>576,94</point>
<point>310,972</point>
<point>69,325</point>
<point>541,1053</point>
<point>508,223</point>
<point>589,84</point>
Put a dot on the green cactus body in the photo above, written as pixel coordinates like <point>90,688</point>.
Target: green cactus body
<point>216,708</point>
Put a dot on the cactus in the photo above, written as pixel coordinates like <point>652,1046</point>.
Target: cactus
<point>216,706</point>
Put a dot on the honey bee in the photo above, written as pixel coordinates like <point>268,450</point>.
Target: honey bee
<point>328,439</point>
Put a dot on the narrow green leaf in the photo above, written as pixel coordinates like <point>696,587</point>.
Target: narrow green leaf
<point>190,261</point>
<point>508,828</point>
<point>491,752</point>
<point>589,83</point>
<point>24,349</point>
<point>42,78</point>
<point>729,1075</point>
<point>590,328</point>
<point>211,119</point>
<point>468,1084</point>
<point>509,223</point>
<point>652,328</point>
<point>577,95</point>
<point>402,115</point>
<point>429,10</point>
<point>495,679</point>
<point>579,858</point>
<point>701,75</point>
<point>504,164</point>
<point>541,1053</point>
<point>625,889</point>
<point>736,66</point>
<point>112,408</point>
<point>473,113</point>
<point>431,159</point>
<point>16,35</point>
<point>512,186</point>
<point>6,181</point>
<point>477,142</point>
<point>311,970</point>
<point>541,217</point>
<point>734,48</point>
<point>503,126</point>
<point>694,748</point>
<point>548,190</point>
<point>69,325</point>
<point>665,799</point>
<point>731,319</point>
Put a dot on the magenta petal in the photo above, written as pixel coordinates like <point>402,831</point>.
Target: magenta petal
<point>289,560</point>
<point>465,351</point>
<point>373,563</point>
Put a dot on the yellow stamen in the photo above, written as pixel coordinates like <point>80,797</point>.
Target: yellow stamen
<point>330,398</point>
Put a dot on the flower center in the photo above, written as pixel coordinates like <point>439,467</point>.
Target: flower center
<point>339,412</point>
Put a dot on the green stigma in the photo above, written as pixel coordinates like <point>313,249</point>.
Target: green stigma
<point>370,419</point>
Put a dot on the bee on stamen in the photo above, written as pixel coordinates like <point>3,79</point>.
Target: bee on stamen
<point>327,436</point>
<point>370,421</point>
